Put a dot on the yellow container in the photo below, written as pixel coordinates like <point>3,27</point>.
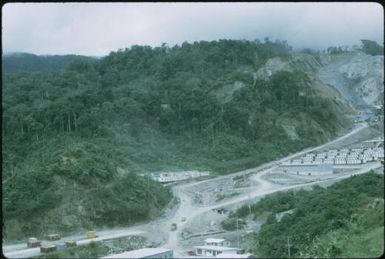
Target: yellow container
<point>91,234</point>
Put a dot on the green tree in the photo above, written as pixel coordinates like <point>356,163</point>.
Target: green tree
<point>372,48</point>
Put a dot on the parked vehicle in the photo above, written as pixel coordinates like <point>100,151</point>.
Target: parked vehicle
<point>53,237</point>
<point>71,243</point>
<point>33,242</point>
<point>91,234</point>
<point>47,248</point>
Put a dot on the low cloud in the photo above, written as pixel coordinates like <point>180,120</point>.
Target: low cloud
<point>98,28</point>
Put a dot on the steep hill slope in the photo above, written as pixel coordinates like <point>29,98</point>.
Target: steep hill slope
<point>322,222</point>
<point>357,76</point>
<point>194,106</point>
<point>309,65</point>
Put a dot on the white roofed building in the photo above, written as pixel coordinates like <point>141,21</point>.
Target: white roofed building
<point>218,248</point>
<point>144,253</point>
<point>246,255</point>
<point>329,161</point>
<point>340,161</point>
<point>216,242</point>
<point>213,251</point>
<point>352,161</point>
<point>318,161</point>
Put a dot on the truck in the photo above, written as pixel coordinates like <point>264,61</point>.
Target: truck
<point>91,234</point>
<point>47,248</point>
<point>33,242</point>
<point>71,243</point>
<point>53,237</point>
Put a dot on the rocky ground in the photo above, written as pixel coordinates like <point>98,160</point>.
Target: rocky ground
<point>357,76</point>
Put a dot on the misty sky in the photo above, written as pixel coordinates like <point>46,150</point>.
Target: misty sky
<point>98,28</point>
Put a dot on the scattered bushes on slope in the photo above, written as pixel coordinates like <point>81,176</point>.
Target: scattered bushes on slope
<point>349,208</point>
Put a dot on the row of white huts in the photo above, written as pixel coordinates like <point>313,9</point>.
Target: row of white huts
<point>340,157</point>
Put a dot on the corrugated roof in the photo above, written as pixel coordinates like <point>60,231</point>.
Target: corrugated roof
<point>247,255</point>
<point>139,253</point>
<point>214,240</point>
<point>217,248</point>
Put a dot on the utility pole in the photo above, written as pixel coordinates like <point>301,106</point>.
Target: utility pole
<point>288,246</point>
<point>148,189</point>
<point>249,203</point>
<point>238,232</point>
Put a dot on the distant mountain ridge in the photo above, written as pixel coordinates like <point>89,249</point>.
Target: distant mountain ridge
<point>18,62</point>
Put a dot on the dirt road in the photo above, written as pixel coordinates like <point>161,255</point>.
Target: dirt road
<point>190,211</point>
<point>17,251</point>
<point>159,229</point>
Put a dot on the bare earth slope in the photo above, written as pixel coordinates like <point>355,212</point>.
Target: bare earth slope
<point>357,76</point>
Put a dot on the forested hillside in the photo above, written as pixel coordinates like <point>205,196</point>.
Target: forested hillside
<point>26,62</point>
<point>324,223</point>
<point>143,109</point>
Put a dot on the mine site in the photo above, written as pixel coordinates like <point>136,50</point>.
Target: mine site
<point>202,203</point>
<point>193,130</point>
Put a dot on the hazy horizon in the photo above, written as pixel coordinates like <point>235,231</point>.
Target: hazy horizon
<point>96,29</point>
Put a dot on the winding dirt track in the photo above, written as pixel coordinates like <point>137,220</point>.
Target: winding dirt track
<point>188,210</point>
<point>264,187</point>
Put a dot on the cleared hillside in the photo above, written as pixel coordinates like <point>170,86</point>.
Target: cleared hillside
<point>359,77</point>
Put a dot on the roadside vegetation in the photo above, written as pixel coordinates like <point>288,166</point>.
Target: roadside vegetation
<point>372,48</point>
<point>97,249</point>
<point>146,109</point>
<point>342,220</point>
<point>91,250</point>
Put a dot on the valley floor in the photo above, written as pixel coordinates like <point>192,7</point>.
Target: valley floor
<point>196,215</point>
